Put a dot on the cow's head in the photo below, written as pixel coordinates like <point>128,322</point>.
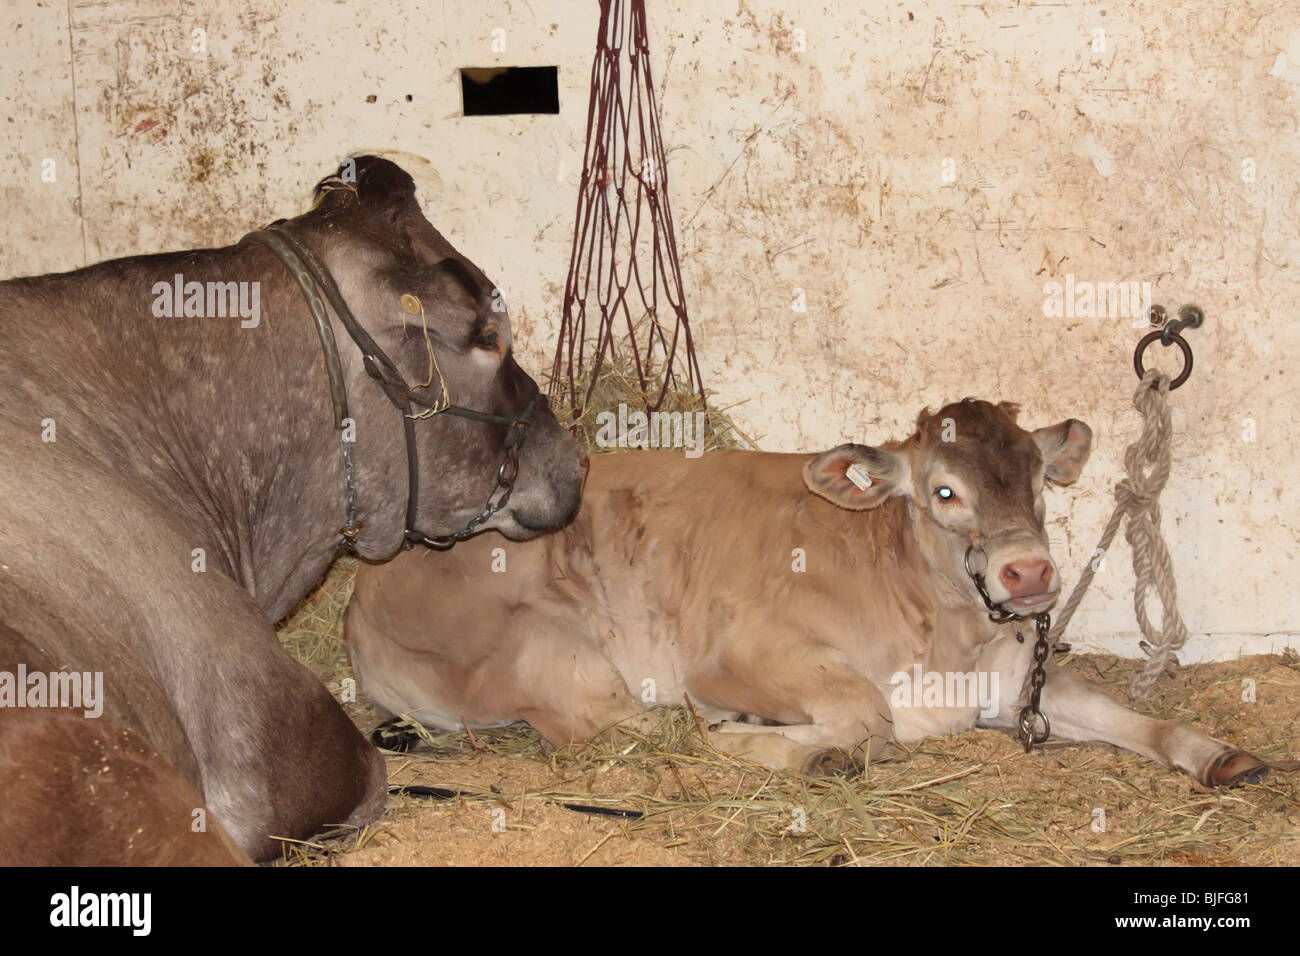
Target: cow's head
<point>972,476</point>
<point>443,323</point>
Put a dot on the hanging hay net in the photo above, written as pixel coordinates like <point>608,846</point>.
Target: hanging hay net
<point>618,382</point>
<point>625,334</point>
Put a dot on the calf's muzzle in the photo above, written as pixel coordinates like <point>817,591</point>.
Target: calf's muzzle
<point>1026,577</point>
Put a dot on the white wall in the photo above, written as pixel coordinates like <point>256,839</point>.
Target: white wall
<point>818,169</point>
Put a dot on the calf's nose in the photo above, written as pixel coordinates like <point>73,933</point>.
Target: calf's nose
<point>1026,576</point>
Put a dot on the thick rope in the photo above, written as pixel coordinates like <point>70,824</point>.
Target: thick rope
<point>1137,497</point>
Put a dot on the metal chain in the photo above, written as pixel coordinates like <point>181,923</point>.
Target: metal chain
<point>997,613</point>
<point>1030,714</point>
<point>498,498</point>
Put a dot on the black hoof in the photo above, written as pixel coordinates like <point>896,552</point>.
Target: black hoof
<point>392,737</point>
<point>1235,768</point>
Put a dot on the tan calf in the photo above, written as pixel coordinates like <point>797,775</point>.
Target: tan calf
<point>825,594</point>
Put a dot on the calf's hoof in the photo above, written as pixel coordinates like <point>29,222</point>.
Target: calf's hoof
<point>1235,768</point>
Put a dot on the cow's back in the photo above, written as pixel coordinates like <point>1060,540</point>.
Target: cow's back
<point>730,558</point>
<point>659,539</point>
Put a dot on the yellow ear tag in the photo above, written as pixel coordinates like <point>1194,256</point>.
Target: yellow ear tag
<point>410,304</point>
<point>858,475</point>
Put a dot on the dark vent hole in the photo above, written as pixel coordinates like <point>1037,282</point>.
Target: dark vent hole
<point>501,90</point>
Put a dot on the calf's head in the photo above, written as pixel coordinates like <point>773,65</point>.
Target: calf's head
<point>972,476</point>
<point>445,326</point>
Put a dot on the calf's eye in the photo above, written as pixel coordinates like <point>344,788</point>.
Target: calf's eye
<point>944,493</point>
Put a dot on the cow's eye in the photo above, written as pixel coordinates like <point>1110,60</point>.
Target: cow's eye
<point>487,340</point>
<point>944,493</point>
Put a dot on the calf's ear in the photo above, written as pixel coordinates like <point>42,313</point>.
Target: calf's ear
<point>1065,448</point>
<point>858,477</point>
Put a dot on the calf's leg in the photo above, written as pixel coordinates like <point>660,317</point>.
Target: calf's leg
<point>1080,710</point>
<point>830,715</point>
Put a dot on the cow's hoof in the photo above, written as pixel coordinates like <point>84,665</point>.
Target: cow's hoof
<point>828,763</point>
<point>1235,768</point>
<point>389,736</point>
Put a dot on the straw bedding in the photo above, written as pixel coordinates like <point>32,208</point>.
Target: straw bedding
<point>971,799</point>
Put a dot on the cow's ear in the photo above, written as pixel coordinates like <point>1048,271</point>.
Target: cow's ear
<point>1065,448</point>
<point>858,477</point>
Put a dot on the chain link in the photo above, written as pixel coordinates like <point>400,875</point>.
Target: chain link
<point>497,500</point>
<point>1029,716</point>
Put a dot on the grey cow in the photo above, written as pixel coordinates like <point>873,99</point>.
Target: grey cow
<point>173,481</point>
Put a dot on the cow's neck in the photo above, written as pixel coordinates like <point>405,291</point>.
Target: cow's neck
<point>231,431</point>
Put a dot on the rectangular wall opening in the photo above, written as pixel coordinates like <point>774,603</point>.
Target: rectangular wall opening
<point>505,90</point>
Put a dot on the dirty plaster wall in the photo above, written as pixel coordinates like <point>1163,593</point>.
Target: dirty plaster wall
<point>819,168</point>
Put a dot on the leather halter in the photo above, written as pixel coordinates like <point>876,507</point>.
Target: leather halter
<point>315,281</point>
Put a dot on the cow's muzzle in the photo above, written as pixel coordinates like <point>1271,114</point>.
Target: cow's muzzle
<point>1024,605</point>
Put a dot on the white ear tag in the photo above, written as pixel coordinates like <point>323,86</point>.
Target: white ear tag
<point>858,475</point>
